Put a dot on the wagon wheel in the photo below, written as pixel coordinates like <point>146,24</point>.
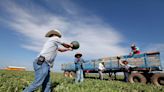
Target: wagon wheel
<point>66,74</point>
<point>158,79</point>
<point>72,74</point>
<point>137,78</point>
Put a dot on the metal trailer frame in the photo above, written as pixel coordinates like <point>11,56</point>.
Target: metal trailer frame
<point>147,65</point>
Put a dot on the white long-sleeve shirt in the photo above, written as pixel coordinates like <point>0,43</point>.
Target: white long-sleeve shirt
<point>101,66</point>
<point>50,49</point>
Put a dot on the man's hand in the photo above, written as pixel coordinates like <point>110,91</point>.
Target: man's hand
<point>70,49</point>
<point>118,57</point>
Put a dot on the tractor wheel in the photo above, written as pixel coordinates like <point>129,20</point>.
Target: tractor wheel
<point>72,74</point>
<point>158,79</point>
<point>66,74</point>
<point>137,78</point>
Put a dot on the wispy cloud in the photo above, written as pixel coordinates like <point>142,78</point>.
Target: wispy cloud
<point>97,39</point>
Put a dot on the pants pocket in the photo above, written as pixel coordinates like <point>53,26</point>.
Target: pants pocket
<point>36,66</point>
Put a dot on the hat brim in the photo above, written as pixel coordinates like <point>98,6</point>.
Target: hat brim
<point>124,61</point>
<point>78,55</point>
<point>52,32</point>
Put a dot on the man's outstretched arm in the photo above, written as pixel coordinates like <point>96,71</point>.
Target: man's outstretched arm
<point>64,49</point>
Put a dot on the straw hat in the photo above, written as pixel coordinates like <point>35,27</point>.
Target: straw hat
<point>133,45</point>
<point>78,54</point>
<point>53,32</point>
<point>125,62</point>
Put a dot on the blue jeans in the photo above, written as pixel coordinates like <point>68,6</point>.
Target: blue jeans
<point>79,76</point>
<point>42,78</point>
<point>126,76</point>
<point>100,75</point>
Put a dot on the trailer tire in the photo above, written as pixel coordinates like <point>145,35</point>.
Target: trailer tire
<point>158,79</point>
<point>72,74</point>
<point>137,77</point>
<point>66,74</point>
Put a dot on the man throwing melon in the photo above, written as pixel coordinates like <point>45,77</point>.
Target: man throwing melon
<point>45,60</point>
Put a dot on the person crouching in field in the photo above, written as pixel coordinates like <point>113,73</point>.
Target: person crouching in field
<point>45,59</point>
<point>101,68</point>
<point>79,67</point>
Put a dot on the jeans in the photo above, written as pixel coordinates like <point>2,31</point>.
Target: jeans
<point>126,76</point>
<point>42,78</point>
<point>79,76</point>
<point>100,75</point>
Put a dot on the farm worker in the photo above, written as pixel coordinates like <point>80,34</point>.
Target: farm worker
<point>101,68</point>
<point>45,59</point>
<point>126,68</point>
<point>134,50</point>
<point>79,67</point>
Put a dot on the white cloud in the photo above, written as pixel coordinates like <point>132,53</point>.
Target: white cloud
<point>97,39</point>
<point>92,32</point>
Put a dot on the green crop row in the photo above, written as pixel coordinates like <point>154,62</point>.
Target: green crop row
<point>16,81</point>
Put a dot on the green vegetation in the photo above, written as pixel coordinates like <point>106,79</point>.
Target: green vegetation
<point>15,81</point>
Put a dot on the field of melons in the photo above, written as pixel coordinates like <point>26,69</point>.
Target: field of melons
<point>16,81</point>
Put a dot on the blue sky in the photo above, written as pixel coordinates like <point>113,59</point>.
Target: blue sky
<point>103,28</point>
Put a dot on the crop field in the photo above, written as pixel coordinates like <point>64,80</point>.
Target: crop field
<point>16,81</point>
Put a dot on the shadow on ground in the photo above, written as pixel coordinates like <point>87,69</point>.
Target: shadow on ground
<point>53,85</point>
